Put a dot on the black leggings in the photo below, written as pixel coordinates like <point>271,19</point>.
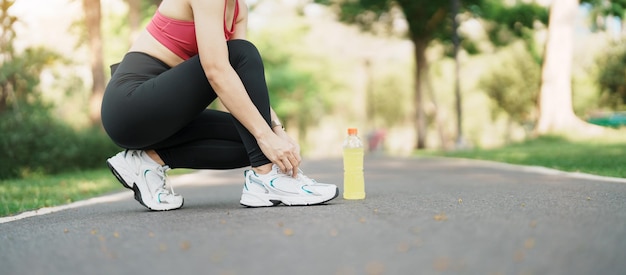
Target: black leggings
<point>148,105</point>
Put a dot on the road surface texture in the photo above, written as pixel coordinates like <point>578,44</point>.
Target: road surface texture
<point>420,216</point>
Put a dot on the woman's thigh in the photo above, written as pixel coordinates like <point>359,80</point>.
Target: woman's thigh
<point>209,125</point>
<point>142,108</point>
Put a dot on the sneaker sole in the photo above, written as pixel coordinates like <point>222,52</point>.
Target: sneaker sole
<point>140,200</point>
<point>135,189</point>
<point>254,201</point>
<point>117,175</point>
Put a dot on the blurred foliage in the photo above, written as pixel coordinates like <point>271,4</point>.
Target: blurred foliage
<point>6,24</point>
<point>427,21</point>
<point>506,24</point>
<point>601,9</point>
<point>31,139</point>
<point>432,20</point>
<point>300,89</point>
<point>19,73</point>
<point>611,76</point>
<point>19,76</point>
<point>513,19</point>
<point>371,15</point>
<point>33,142</point>
<point>148,7</point>
<point>608,7</point>
<point>513,86</point>
<point>388,94</point>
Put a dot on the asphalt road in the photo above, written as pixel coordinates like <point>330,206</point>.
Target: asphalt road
<point>421,216</point>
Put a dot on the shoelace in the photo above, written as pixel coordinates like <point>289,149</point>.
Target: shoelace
<point>303,177</point>
<point>162,172</point>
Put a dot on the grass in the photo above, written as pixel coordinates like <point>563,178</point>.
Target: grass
<point>598,156</point>
<point>38,191</point>
<point>19,195</point>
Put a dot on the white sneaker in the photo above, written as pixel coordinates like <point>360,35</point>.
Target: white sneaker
<point>276,187</point>
<point>146,178</point>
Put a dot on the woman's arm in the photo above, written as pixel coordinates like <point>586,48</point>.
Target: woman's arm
<point>241,26</point>
<point>241,31</point>
<point>213,51</point>
<point>280,131</point>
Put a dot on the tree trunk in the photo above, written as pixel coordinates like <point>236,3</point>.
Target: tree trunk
<point>94,36</point>
<point>460,140</point>
<point>439,120</point>
<point>134,18</point>
<point>555,101</point>
<point>420,73</point>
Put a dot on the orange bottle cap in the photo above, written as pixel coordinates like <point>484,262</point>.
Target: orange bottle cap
<point>352,131</point>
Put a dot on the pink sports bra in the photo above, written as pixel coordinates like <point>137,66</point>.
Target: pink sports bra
<point>180,36</point>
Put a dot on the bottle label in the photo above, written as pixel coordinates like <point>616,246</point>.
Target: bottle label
<point>353,181</point>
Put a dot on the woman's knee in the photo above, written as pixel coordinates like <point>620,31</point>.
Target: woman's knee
<point>240,50</point>
<point>242,45</point>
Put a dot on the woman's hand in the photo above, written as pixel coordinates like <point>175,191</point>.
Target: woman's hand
<point>281,150</point>
<point>282,134</point>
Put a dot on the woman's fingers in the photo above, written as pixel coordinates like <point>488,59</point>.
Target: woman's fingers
<point>295,161</point>
<point>282,152</point>
<point>288,166</point>
<point>289,163</point>
<point>294,171</point>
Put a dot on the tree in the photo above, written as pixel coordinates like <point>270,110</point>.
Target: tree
<point>555,104</point>
<point>514,91</point>
<point>430,21</point>
<point>610,78</point>
<point>93,17</point>
<point>508,24</point>
<point>511,28</point>
<point>6,55</point>
<point>138,10</point>
<point>19,72</point>
<point>427,21</point>
<point>556,113</point>
<point>134,18</point>
<point>555,98</point>
<point>602,9</point>
<point>456,43</point>
<point>612,64</point>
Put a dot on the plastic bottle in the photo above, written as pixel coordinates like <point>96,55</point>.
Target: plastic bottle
<point>353,179</point>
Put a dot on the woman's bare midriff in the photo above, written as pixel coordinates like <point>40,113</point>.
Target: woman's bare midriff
<point>147,44</point>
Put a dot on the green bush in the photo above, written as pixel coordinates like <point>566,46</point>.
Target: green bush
<point>611,80</point>
<point>32,142</point>
<point>514,91</point>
